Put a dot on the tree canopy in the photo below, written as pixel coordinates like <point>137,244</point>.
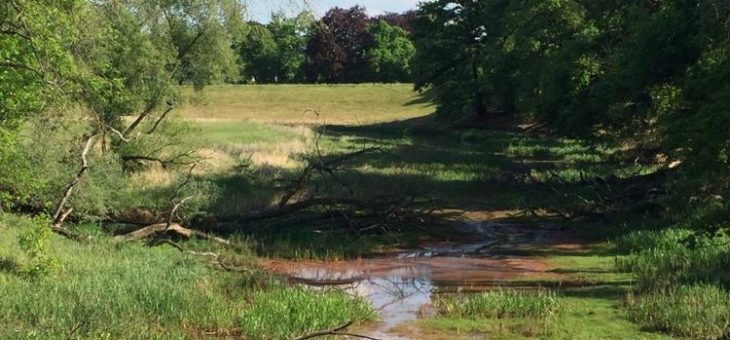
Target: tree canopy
<point>337,48</point>
<point>391,54</point>
<point>649,74</point>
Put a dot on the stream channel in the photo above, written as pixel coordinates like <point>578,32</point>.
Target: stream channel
<point>401,285</point>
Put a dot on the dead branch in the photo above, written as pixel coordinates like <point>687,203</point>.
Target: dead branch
<point>228,268</point>
<point>323,165</point>
<point>75,181</point>
<point>61,211</point>
<point>119,134</point>
<point>174,228</point>
<point>69,234</point>
<point>294,207</point>
<point>163,162</point>
<point>147,110</point>
<point>159,120</point>
<point>334,331</point>
<point>176,206</point>
<point>218,259</point>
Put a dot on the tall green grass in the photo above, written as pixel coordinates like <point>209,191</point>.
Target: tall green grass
<point>696,311</point>
<point>104,290</point>
<point>500,313</point>
<point>501,304</point>
<point>287,313</point>
<point>661,259</point>
<point>682,286</point>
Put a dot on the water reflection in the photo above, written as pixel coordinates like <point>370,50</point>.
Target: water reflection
<point>401,286</point>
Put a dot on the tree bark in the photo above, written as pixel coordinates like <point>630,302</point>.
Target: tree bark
<point>61,211</point>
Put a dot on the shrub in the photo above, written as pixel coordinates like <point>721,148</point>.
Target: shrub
<point>33,240</point>
<point>697,311</point>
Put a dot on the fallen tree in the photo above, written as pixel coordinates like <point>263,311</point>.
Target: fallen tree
<point>164,229</point>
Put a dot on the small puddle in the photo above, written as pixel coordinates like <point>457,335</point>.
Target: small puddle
<point>400,286</point>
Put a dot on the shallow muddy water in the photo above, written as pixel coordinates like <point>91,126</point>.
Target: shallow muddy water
<point>401,285</point>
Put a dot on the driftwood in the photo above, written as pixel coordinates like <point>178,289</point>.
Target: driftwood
<point>334,331</point>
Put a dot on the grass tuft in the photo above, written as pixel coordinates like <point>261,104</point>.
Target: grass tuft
<point>663,258</point>
<point>697,311</point>
<point>285,313</point>
<point>501,304</point>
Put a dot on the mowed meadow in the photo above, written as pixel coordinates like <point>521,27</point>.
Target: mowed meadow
<point>286,104</point>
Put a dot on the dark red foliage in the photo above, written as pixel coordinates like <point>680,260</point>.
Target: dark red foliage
<point>337,48</point>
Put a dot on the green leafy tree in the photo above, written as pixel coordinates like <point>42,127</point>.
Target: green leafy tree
<point>392,53</point>
<point>450,41</point>
<point>35,65</point>
<point>203,33</point>
<point>290,35</point>
<point>100,63</point>
<point>259,54</point>
<point>652,75</point>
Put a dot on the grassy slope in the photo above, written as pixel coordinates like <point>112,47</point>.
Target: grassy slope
<point>293,104</point>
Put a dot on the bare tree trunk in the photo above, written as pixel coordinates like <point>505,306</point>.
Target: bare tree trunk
<point>61,211</point>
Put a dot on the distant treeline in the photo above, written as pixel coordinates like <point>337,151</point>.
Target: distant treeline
<point>344,46</point>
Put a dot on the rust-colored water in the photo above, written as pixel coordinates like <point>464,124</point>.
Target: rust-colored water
<point>401,285</point>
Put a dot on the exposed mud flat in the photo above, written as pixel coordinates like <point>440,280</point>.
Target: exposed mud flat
<point>401,285</point>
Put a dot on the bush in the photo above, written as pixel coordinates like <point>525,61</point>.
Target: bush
<point>47,158</point>
<point>501,304</point>
<point>33,240</point>
<point>697,311</point>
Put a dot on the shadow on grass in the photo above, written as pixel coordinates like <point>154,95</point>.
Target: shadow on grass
<point>610,291</point>
<point>9,265</point>
<point>464,169</point>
